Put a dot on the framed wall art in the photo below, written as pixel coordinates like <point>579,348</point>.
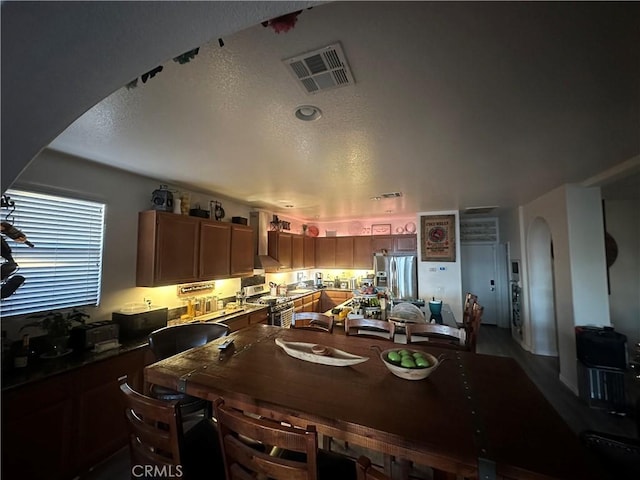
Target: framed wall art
<point>438,238</point>
<point>381,229</point>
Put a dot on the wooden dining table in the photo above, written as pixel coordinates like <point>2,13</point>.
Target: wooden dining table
<point>475,415</point>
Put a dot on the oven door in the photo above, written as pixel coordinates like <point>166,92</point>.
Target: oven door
<point>282,318</point>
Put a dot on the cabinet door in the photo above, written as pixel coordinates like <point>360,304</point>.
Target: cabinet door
<point>344,252</point>
<point>259,317</point>
<point>102,429</point>
<point>37,430</point>
<point>298,304</point>
<point>297,251</point>
<point>215,250</point>
<point>280,248</point>
<point>241,250</point>
<point>330,299</point>
<point>362,252</point>
<point>382,242</point>
<point>406,243</point>
<point>309,252</point>
<point>326,252</point>
<point>237,323</point>
<point>175,246</point>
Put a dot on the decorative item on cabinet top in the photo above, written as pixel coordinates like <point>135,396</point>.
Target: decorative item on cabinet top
<point>381,229</point>
<point>162,199</point>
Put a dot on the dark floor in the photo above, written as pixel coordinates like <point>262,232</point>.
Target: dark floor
<point>492,341</point>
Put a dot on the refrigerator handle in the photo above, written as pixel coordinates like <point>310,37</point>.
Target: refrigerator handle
<point>393,273</point>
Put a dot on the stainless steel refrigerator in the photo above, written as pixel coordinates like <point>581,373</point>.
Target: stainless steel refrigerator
<point>398,274</point>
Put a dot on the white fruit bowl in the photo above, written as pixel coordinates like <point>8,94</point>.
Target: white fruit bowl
<point>410,373</point>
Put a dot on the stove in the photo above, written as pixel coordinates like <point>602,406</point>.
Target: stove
<point>280,308</point>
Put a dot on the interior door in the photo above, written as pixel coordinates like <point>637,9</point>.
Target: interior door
<point>480,276</point>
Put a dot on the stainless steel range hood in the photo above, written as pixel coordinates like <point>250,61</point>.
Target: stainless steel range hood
<point>260,221</point>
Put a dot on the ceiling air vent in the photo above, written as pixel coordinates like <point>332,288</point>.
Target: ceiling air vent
<point>479,210</point>
<point>391,195</point>
<point>322,69</point>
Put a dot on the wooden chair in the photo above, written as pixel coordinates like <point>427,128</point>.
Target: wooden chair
<point>168,341</point>
<point>367,327</point>
<point>437,335</point>
<point>295,455</point>
<point>367,472</point>
<point>313,321</point>
<point>469,301</point>
<point>156,439</point>
<point>473,326</point>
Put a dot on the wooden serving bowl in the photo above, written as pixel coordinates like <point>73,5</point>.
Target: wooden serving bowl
<point>410,373</point>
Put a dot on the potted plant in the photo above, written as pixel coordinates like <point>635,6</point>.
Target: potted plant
<point>58,327</point>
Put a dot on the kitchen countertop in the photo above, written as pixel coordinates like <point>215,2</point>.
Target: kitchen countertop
<point>220,315</point>
<point>39,369</point>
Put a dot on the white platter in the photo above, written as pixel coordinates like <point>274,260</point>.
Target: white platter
<point>334,357</point>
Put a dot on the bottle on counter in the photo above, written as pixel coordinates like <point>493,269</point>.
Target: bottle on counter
<point>21,358</point>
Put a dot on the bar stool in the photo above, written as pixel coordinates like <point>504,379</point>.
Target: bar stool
<point>168,341</point>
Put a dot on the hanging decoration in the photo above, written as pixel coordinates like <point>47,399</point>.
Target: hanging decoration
<point>187,56</point>
<point>283,23</point>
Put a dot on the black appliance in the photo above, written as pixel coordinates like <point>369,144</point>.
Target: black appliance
<point>85,337</point>
<point>140,323</point>
<point>601,347</point>
<point>602,361</point>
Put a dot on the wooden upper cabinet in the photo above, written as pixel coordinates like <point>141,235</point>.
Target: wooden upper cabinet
<point>406,243</point>
<point>241,250</point>
<point>215,250</point>
<point>362,252</point>
<point>280,248</point>
<point>168,249</point>
<point>326,252</point>
<point>309,252</point>
<point>344,252</point>
<point>381,242</point>
<point>174,249</point>
<point>297,251</point>
<point>394,243</point>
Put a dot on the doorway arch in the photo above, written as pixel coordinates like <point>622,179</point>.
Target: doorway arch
<point>542,308</point>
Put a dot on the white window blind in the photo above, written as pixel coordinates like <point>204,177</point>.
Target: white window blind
<point>64,268</point>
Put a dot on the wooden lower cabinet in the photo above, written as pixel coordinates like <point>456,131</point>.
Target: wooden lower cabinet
<point>61,426</point>
<point>37,430</point>
<point>243,321</point>
<point>261,316</point>
<point>237,323</point>
<point>333,298</point>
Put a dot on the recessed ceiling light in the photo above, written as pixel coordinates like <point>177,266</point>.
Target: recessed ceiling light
<point>376,198</point>
<point>308,113</point>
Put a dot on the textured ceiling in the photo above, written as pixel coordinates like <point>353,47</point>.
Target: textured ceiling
<point>455,105</point>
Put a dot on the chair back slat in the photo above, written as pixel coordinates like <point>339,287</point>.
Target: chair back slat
<point>365,470</point>
<point>313,321</point>
<point>473,326</point>
<point>437,335</point>
<point>368,327</point>
<point>168,341</point>
<point>239,456</point>
<point>155,432</point>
